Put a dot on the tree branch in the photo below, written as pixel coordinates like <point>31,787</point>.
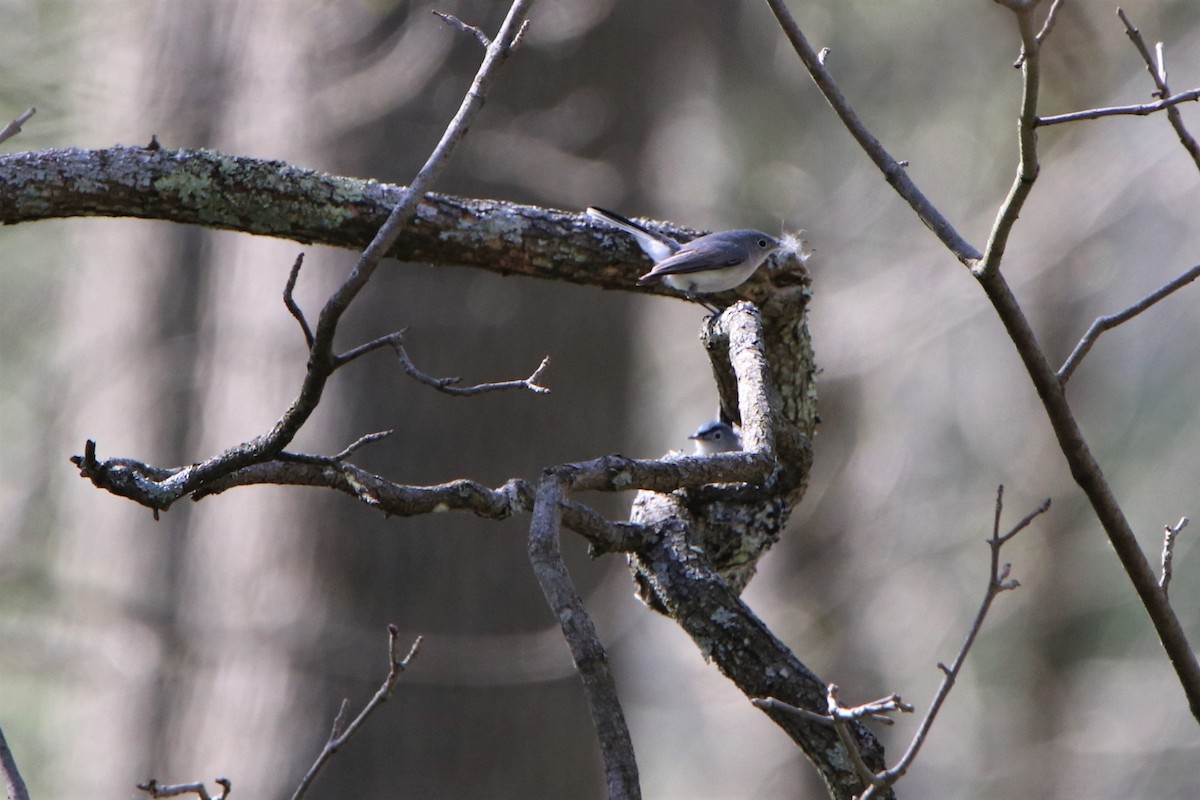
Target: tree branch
<point>1158,73</point>
<point>893,172</point>
<point>591,660</point>
<point>12,775</point>
<point>1090,478</point>
<point>152,788</point>
<point>162,492</point>
<point>342,732</point>
<point>1113,111</point>
<point>1102,324</point>
<point>14,127</point>
<point>272,198</point>
<point>290,302</point>
<point>449,385</point>
<point>998,581</point>
<point>1027,169</point>
<point>1083,465</point>
<point>1170,533</point>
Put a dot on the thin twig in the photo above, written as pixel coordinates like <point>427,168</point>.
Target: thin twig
<point>771,703</point>
<point>1102,324</point>
<point>13,128</point>
<point>361,442</point>
<point>1047,26</point>
<point>1051,18</point>
<point>455,22</point>
<point>1168,551</point>
<point>841,716</point>
<point>152,788</point>
<point>893,172</point>
<point>12,775</point>
<point>998,581</point>
<point>1028,167</point>
<point>1086,471</point>
<point>390,339</point>
<point>342,732</point>
<point>450,385</point>
<point>290,301</point>
<point>587,651</point>
<point>322,361</point>
<point>875,710</point>
<point>1158,72</point>
<point>1113,111</point>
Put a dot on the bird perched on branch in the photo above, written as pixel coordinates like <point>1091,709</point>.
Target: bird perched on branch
<point>715,262</point>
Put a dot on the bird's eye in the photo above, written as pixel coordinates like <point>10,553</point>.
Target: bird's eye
<point>762,242</point>
<point>717,435</point>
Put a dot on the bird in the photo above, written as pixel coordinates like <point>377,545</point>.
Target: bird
<point>716,437</point>
<point>715,262</point>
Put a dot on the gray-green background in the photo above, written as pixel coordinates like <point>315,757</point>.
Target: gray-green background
<point>221,639</point>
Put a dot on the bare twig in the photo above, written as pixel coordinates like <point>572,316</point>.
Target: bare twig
<point>12,775</point>
<point>1168,552</point>
<point>1028,167</point>
<point>893,172</point>
<point>774,704</point>
<point>841,717</point>
<point>290,301</point>
<point>1102,324</point>
<point>1083,465</point>
<point>446,385</point>
<point>1113,111</point>
<point>587,651</point>
<point>998,581</point>
<point>342,732</point>
<point>1048,23</point>
<point>844,716</point>
<point>13,128</point>
<point>1090,478</point>
<point>152,788</point>
<point>449,385</point>
<point>389,340</point>
<point>1158,72</point>
<point>875,710</point>
<point>360,442</point>
<point>322,362</point>
<point>1047,26</point>
<point>455,22</point>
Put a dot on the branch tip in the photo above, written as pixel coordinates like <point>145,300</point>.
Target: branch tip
<point>455,22</point>
<point>13,128</point>
<point>290,301</point>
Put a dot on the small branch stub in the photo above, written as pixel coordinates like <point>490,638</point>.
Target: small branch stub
<point>1168,552</point>
<point>152,788</point>
<point>342,731</point>
<point>13,128</point>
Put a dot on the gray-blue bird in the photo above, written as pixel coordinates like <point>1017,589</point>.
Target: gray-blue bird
<point>716,437</point>
<point>707,264</point>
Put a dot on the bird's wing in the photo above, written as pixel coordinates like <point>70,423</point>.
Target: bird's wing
<point>697,259</point>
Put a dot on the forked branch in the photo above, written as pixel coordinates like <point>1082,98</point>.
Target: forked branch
<point>1084,467</point>
<point>343,730</point>
<point>159,489</point>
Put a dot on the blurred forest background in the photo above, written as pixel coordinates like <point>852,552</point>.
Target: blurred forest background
<point>221,639</point>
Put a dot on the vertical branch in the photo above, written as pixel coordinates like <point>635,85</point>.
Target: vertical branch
<point>1158,73</point>
<point>1084,467</point>
<point>1027,170</point>
<point>12,776</point>
<point>1090,478</point>
<point>591,661</point>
